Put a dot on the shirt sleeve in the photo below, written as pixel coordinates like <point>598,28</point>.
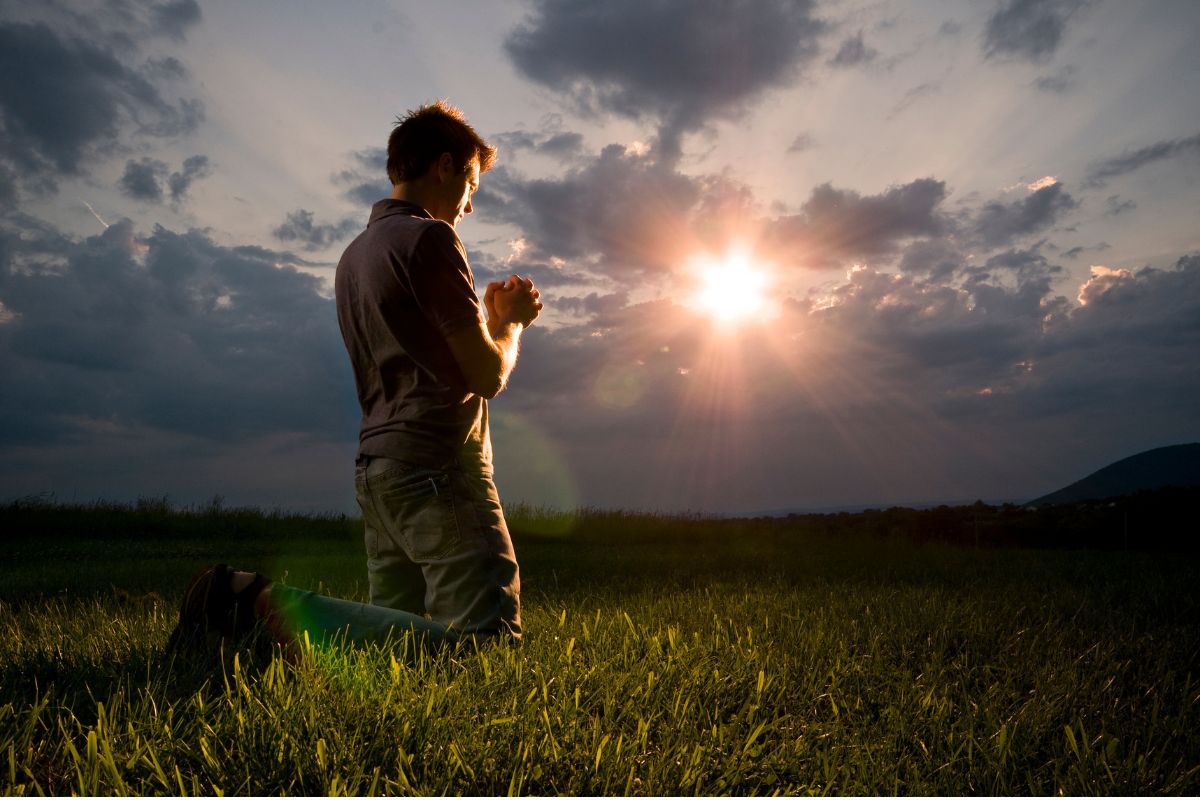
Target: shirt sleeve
<point>441,279</point>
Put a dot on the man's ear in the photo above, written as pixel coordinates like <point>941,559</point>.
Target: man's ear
<point>445,167</point>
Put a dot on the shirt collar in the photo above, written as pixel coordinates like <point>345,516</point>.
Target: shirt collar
<point>387,207</point>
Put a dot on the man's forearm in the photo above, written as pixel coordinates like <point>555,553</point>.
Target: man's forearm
<point>507,338</point>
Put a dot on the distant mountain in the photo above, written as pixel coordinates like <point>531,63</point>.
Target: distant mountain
<point>1177,465</point>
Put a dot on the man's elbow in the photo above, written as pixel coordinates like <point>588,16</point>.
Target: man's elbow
<point>488,380</point>
<point>487,389</point>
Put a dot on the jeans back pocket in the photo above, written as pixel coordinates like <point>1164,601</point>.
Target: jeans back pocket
<point>417,507</point>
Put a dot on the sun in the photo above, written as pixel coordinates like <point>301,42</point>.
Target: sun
<point>731,290</point>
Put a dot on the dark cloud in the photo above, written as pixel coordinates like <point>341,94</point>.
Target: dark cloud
<point>973,383</point>
<point>545,274</point>
<point>1060,82</point>
<point>1029,30</point>
<point>169,68</point>
<point>554,143</point>
<point>625,208</point>
<point>998,224</point>
<point>950,27</point>
<point>853,51</point>
<point>516,140</point>
<point>648,60</point>
<point>913,95</point>
<point>1115,206</point>
<point>803,141</point>
<point>839,224</point>
<point>194,168</point>
<point>143,178</point>
<point>1101,172</point>
<point>565,144</point>
<point>366,179</point>
<point>936,258</point>
<point>76,88</point>
<point>1129,347</point>
<point>174,17</point>
<point>157,356</point>
<point>1027,267</point>
<point>1078,250</point>
<point>300,227</point>
<point>8,189</point>
<point>592,304</point>
<point>169,332</point>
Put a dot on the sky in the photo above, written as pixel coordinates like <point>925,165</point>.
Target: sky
<point>967,231</point>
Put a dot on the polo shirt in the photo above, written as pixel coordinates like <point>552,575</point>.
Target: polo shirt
<point>401,288</point>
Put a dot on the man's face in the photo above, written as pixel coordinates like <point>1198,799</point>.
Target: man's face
<point>457,190</point>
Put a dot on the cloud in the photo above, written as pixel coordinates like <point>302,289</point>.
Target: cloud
<point>1115,206</point>
<point>853,51</point>
<point>651,60</point>
<point>126,344</point>
<point>366,178</point>
<point>1028,30</point>
<point>838,224</point>
<point>803,141</point>
<point>1027,267</point>
<point>300,227</point>
<point>552,273</point>
<point>627,209</point>
<point>8,189</point>
<point>166,332</point>
<point>565,144</point>
<point>174,17</point>
<point>557,144</point>
<point>1101,172</point>
<point>950,27</point>
<point>623,213</point>
<point>998,224</point>
<point>142,179</point>
<point>78,93</point>
<point>913,95</point>
<point>1129,344</point>
<point>594,304</point>
<point>194,168</point>
<point>1060,82</point>
<point>958,378</point>
<point>1078,250</point>
<point>936,258</point>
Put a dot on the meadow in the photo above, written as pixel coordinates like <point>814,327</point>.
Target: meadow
<point>663,656</point>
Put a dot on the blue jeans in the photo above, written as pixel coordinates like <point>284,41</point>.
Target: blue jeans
<point>438,547</point>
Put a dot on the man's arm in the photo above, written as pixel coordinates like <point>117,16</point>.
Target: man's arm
<point>487,353</point>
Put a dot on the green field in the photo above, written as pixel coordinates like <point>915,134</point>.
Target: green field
<point>664,655</point>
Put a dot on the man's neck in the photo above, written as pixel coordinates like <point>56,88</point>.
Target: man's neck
<point>413,193</point>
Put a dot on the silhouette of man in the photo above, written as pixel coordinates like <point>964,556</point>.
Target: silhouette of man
<point>426,362</point>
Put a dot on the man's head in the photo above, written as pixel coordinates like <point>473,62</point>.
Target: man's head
<point>420,138</point>
<point>436,158</point>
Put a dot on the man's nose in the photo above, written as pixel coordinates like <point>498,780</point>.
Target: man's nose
<point>467,208</point>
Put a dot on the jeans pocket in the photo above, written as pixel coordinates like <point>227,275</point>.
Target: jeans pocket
<point>418,508</point>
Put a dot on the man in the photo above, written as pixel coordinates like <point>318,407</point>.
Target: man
<point>425,364</point>
<point>439,556</point>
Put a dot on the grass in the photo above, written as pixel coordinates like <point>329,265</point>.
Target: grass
<point>664,656</point>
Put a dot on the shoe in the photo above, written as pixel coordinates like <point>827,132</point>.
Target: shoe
<point>211,606</point>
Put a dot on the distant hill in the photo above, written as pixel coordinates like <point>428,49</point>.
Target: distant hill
<point>1177,465</point>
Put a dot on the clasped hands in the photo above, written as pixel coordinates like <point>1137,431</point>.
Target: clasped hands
<point>513,301</point>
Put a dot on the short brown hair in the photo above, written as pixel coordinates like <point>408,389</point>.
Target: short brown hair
<point>420,138</point>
